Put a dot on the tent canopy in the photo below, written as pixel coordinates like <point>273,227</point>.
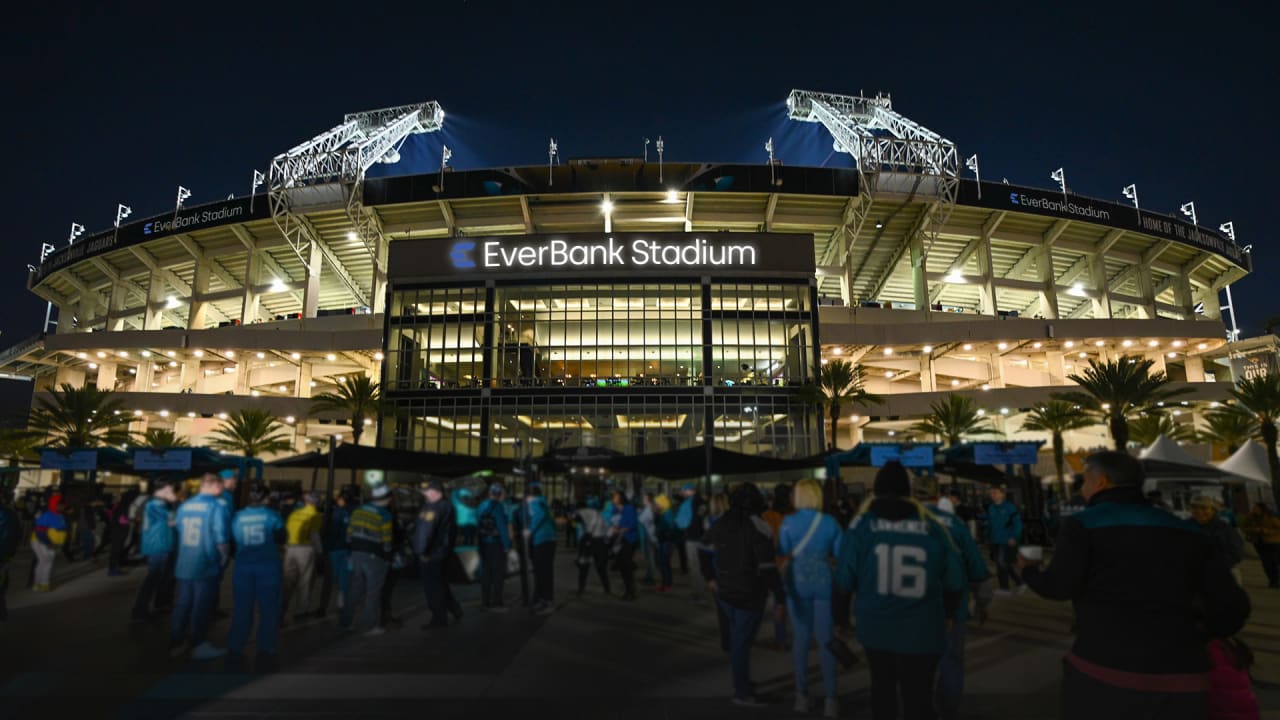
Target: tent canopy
<point>1167,450</point>
<point>1249,462</point>
<point>348,456</point>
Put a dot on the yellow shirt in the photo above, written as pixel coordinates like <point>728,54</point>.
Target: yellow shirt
<point>303,524</point>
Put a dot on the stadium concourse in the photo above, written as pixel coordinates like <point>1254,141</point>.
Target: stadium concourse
<point>73,651</point>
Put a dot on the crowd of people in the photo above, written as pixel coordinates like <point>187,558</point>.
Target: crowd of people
<point>900,570</point>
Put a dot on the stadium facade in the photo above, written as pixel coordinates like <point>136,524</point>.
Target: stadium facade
<point>628,305</point>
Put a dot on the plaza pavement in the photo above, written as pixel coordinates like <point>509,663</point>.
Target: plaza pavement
<point>71,653</point>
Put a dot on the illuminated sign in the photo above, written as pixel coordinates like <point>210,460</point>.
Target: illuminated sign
<point>697,252</point>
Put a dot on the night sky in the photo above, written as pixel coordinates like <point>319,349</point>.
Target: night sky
<point>105,105</point>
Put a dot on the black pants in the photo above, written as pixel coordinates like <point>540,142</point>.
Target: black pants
<point>1003,556</point>
<point>840,602</point>
<point>544,576</point>
<point>384,599</point>
<point>4,588</point>
<point>684,556</point>
<point>902,678</point>
<point>115,561</point>
<point>1087,699</point>
<point>439,597</point>
<point>627,566</point>
<point>595,552</point>
<point>493,572</point>
<point>570,535</point>
<point>1269,554</point>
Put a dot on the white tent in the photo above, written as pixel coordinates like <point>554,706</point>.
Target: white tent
<point>1249,462</point>
<point>1166,450</point>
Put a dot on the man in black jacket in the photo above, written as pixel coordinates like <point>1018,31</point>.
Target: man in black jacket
<point>745,575</point>
<point>1149,591</point>
<point>434,535</point>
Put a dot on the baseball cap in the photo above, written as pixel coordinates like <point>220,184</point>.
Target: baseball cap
<point>379,492</point>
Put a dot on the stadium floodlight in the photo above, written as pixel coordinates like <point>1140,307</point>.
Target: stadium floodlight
<point>552,151</point>
<point>1131,191</point>
<point>258,179</point>
<point>1061,177</point>
<point>768,147</point>
<point>972,164</point>
<point>76,231</point>
<point>1228,228</point>
<point>122,212</point>
<point>646,150</point>
<point>445,154</point>
<point>658,145</point>
<point>45,250</point>
<point>1189,209</point>
<point>183,194</point>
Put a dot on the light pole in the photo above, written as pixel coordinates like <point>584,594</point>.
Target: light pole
<point>972,164</point>
<point>552,151</point>
<point>658,145</point>
<point>122,211</point>
<point>445,154</point>
<point>1189,209</point>
<point>1131,191</point>
<point>183,194</point>
<point>258,179</point>
<point>1229,229</point>
<point>768,147</point>
<point>1061,177</point>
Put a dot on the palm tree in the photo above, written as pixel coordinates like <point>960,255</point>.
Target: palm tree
<point>80,418</point>
<point>1148,426</point>
<point>1229,427</point>
<point>160,438</point>
<point>1120,389</point>
<point>1260,397</point>
<point>358,398</point>
<point>251,432</point>
<point>839,383</point>
<point>1056,417</point>
<point>952,418</point>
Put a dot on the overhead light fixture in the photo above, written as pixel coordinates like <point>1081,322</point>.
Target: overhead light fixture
<point>836,351</point>
<point>1077,290</point>
<point>1069,344</point>
<point>145,353</point>
<point>1037,345</point>
<point>1003,346</point>
<point>378,355</point>
<point>261,355</point>
<point>888,351</point>
<point>352,236</point>
<point>1153,343</point>
<point>892,433</point>
<point>123,353</point>
<point>277,285</point>
<point>927,349</point>
<point>171,302</point>
<point>1083,355</point>
<point>229,353</point>
<point>1004,411</point>
<point>164,413</point>
<point>968,346</point>
<point>1178,343</point>
<point>1099,343</point>
<point>1173,354</point>
<point>295,356</point>
<point>606,206</point>
<point>1202,346</point>
<point>101,354</point>
<point>879,225</point>
<point>330,357</point>
<point>889,374</point>
<point>191,413</point>
<point>955,383</point>
<point>1127,343</point>
<point>954,277</point>
<point>93,366</point>
<point>673,196</point>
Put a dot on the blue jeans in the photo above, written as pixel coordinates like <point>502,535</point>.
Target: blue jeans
<point>951,674</point>
<point>340,566</point>
<point>664,561</point>
<point>743,626</point>
<point>811,620</point>
<point>158,570</point>
<point>252,584</point>
<point>193,609</point>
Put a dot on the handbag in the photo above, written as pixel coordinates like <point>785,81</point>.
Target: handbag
<point>513,562</point>
<point>808,535</point>
<point>463,565</point>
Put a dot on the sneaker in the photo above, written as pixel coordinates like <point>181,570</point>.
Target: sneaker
<point>177,648</point>
<point>831,708</point>
<point>750,701</point>
<point>207,651</point>
<point>375,631</point>
<point>802,704</point>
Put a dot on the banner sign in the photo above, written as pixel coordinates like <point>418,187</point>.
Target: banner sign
<point>1254,366</point>
<point>169,459</point>
<point>920,456</point>
<point>989,453</point>
<point>185,220</point>
<point>77,460</point>
<point>1000,196</point>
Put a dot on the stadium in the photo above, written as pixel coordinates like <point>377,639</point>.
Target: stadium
<point>628,306</point>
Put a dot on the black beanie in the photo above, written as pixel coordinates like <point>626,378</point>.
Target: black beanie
<point>892,480</point>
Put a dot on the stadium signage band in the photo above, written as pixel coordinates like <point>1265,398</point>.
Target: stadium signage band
<point>1001,196</point>
<point>596,253</point>
<point>185,220</point>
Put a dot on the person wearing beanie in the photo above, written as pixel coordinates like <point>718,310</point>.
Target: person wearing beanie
<point>906,573</point>
<point>258,531</point>
<point>494,533</point>
<point>593,544</point>
<point>370,536</point>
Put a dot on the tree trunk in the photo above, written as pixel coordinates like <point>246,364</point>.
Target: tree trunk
<point>829,487</point>
<point>835,418</point>
<point>1119,431</point>
<point>1057,463</point>
<point>1268,431</point>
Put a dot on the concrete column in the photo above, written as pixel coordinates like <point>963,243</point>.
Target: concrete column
<point>1102,292</point>
<point>1057,373</point>
<point>65,313</point>
<point>243,369</point>
<point>1195,368</point>
<point>996,369</point>
<point>1210,298</point>
<point>928,379</point>
<point>987,290</point>
<point>1183,297</point>
<point>70,376</point>
<point>146,376</point>
<point>311,295</point>
<point>919,283</point>
<point>86,309</point>
<point>197,315</point>
<point>1159,365</point>
<point>1146,292</point>
<point>116,303</point>
<point>151,316</point>
<point>304,379</point>
<point>1048,283</point>
<point>189,376</point>
<point>379,290</point>
<point>106,376</point>
<point>250,304</point>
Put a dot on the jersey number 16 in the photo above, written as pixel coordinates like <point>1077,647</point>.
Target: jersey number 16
<point>900,571</point>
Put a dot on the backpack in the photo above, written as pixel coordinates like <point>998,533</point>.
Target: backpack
<point>488,527</point>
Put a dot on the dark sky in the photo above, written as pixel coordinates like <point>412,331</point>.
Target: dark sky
<point>108,105</point>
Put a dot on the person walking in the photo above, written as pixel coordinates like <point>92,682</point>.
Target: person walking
<point>691,521</point>
<point>1262,529</point>
<point>667,535</point>
<point>779,508</point>
<point>256,579</point>
<point>370,537</point>
<point>745,573</point>
<point>118,527</point>
<point>902,566</point>
<point>158,543</point>
<point>646,515</point>
<point>337,552</point>
<point>302,530</point>
<point>1149,590</point>
<point>204,548</point>
<point>1004,532</point>
<point>494,532</point>
<point>950,685</point>
<point>809,541</point>
<point>49,534</point>
<point>593,544</point>
<point>541,538</point>
<point>434,536</point>
<point>625,533</point>
<point>1204,511</point>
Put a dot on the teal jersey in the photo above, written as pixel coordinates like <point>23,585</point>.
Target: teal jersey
<point>257,531</point>
<point>157,527</point>
<point>899,570</point>
<point>971,560</point>
<point>203,527</point>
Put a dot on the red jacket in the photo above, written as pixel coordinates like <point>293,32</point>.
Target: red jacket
<point>1231,695</point>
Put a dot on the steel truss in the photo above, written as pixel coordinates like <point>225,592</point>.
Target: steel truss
<point>894,154</point>
<point>329,171</point>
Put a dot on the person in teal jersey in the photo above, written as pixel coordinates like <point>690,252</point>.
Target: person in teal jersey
<point>1004,531</point>
<point>204,547</point>
<point>258,531</point>
<point>626,533</point>
<point>902,564</point>
<point>337,550</point>
<point>465,514</point>
<point>157,547</point>
<point>230,480</point>
<point>494,536</point>
<point>976,575</point>
<point>541,536</point>
<point>809,541</point>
